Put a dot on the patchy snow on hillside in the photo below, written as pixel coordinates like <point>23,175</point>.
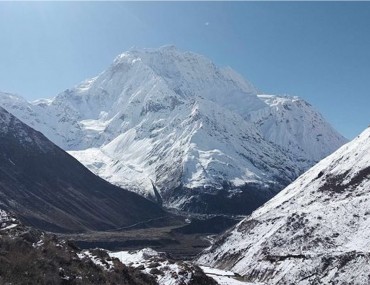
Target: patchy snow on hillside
<point>7,222</point>
<point>166,271</point>
<point>315,230</point>
<point>224,277</point>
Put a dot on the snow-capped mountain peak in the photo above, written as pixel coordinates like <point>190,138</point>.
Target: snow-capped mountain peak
<point>173,126</point>
<point>168,73</point>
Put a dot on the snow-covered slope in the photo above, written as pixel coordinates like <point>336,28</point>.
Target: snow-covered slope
<point>176,128</point>
<point>297,127</point>
<point>315,231</point>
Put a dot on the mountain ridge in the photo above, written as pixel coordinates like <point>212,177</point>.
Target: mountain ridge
<point>314,231</point>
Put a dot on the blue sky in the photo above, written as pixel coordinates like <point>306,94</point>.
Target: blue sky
<point>319,51</point>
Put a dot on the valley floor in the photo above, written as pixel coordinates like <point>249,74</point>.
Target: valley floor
<point>177,238</point>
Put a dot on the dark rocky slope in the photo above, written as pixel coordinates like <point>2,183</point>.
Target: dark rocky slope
<point>51,190</point>
<point>29,256</point>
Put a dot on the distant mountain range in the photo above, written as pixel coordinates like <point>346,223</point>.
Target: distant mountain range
<point>175,128</point>
<point>315,231</point>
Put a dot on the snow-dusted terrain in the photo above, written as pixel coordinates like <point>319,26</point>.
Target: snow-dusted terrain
<point>7,222</point>
<point>224,277</point>
<point>170,272</point>
<point>170,125</point>
<point>315,231</point>
<point>149,261</point>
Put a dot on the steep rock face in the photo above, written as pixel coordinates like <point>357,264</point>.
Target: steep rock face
<point>173,127</point>
<point>51,190</point>
<point>315,231</point>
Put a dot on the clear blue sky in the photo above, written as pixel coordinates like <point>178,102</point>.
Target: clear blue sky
<point>319,51</point>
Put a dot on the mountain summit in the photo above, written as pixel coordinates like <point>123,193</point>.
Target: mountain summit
<point>173,127</point>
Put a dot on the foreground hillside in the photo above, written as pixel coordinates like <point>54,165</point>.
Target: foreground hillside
<point>29,256</point>
<point>316,231</point>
